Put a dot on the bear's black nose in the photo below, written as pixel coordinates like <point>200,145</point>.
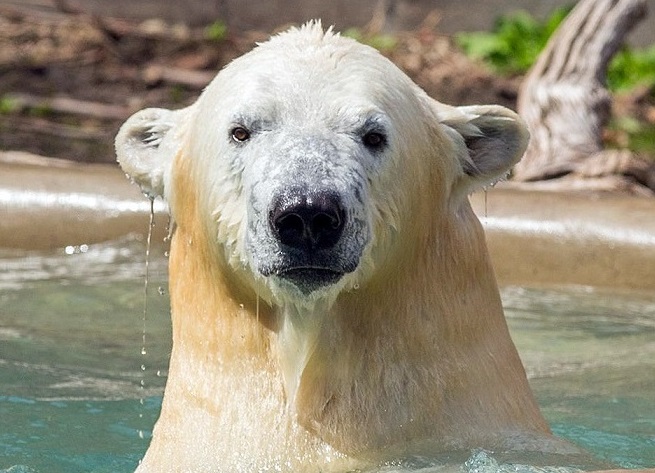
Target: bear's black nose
<point>307,220</point>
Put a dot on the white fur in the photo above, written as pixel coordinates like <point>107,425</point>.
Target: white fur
<point>308,97</point>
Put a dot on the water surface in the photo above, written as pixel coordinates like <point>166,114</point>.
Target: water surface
<point>78,395</point>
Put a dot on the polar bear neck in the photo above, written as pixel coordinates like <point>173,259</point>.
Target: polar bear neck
<point>421,351</point>
<point>224,404</point>
<point>406,357</point>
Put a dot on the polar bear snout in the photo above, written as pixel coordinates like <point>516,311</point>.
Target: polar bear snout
<point>312,230</point>
<point>307,220</point>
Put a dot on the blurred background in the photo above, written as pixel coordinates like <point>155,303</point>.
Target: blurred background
<point>71,71</point>
<point>253,15</point>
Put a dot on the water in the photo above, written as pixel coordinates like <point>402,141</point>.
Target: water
<point>71,339</point>
<point>71,398</point>
<point>590,356</point>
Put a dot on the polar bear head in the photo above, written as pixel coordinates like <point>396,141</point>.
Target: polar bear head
<point>315,162</point>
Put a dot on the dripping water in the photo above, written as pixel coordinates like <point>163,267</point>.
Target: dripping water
<point>144,317</point>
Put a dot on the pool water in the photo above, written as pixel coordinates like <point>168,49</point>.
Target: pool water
<point>590,357</point>
<point>80,390</point>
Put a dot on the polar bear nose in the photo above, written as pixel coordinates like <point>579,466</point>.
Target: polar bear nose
<point>307,220</point>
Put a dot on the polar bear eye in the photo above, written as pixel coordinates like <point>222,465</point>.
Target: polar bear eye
<point>374,140</point>
<point>240,134</point>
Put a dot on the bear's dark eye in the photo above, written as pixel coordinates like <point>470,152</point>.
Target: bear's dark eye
<point>240,134</point>
<point>374,140</point>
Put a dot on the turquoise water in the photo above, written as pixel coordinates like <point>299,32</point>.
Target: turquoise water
<point>590,357</point>
<point>78,395</point>
<point>71,335</point>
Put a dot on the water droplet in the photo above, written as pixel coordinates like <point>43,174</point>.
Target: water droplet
<point>166,254</point>
<point>241,306</point>
<point>151,225</point>
<point>161,291</point>
<point>84,248</point>
<point>69,250</point>
<point>356,286</point>
<point>158,373</point>
<point>141,434</point>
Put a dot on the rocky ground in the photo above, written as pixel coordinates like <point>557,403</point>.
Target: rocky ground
<point>68,80</point>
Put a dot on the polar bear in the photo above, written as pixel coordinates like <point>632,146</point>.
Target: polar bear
<point>333,304</point>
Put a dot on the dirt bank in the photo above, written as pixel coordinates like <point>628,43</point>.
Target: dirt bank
<point>68,81</point>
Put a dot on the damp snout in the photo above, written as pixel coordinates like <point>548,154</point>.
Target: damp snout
<point>310,227</point>
<point>307,220</point>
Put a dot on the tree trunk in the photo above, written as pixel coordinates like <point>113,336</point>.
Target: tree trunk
<point>563,99</point>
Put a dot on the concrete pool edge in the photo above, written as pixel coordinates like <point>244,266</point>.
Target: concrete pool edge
<point>534,237</point>
<point>50,203</point>
<point>563,238</point>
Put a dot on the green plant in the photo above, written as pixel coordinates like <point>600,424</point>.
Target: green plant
<point>628,132</point>
<point>515,41</point>
<point>631,68</point>
<point>217,31</point>
<point>41,110</point>
<point>381,42</point>
<point>177,93</point>
<point>7,105</point>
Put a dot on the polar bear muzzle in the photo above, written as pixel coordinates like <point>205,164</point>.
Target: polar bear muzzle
<point>307,220</point>
<point>308,225</point>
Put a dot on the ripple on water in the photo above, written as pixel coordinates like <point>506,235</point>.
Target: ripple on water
<point>98,264</point>
<point>72,350</point>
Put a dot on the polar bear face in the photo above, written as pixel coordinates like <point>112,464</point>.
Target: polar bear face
<point>305,169</point>
<point>312,157</point>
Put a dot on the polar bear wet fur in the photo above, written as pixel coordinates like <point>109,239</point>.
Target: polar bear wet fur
<point>331,293</point>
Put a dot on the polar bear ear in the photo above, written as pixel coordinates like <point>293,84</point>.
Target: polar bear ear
<point>146,145</point>
<point>494,138</point>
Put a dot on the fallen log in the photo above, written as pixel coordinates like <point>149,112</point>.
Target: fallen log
<point>40,127</point>
<point>565,102</point>
<point>68,105</point>
<point>155,73</point>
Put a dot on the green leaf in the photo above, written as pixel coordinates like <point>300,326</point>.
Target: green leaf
<point>217,31</point>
